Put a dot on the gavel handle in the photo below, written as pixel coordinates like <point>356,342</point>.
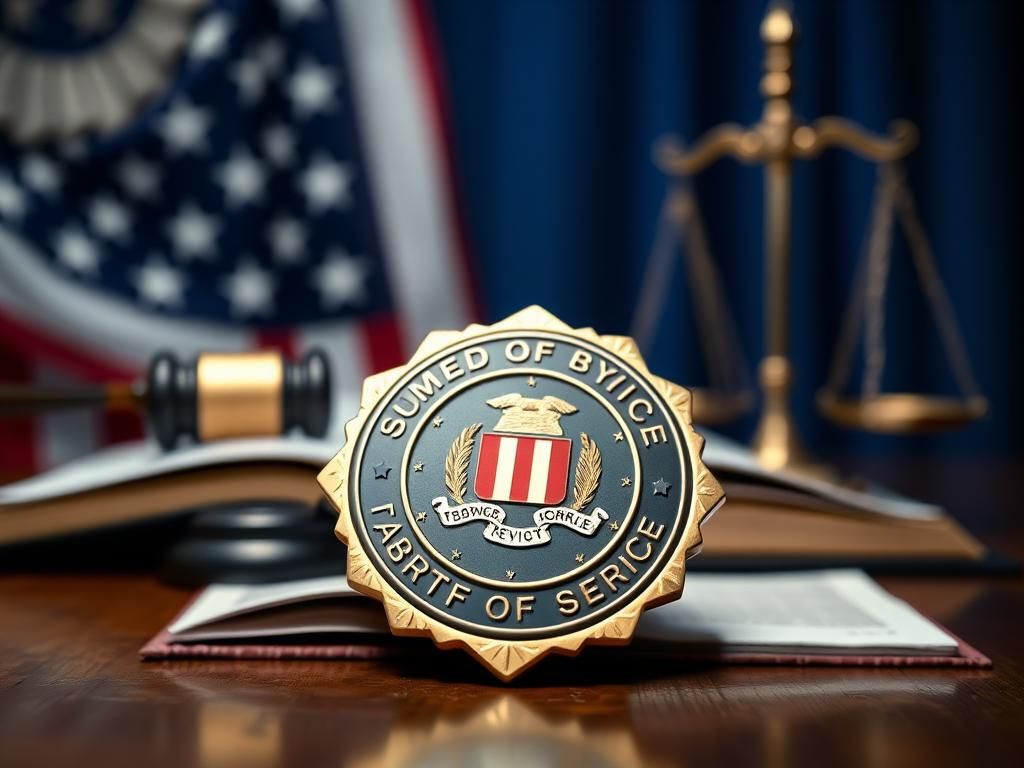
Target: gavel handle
<point>25,400</point>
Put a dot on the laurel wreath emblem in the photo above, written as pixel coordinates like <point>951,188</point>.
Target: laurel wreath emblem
<point>456,468</point>
<point>456,465</point>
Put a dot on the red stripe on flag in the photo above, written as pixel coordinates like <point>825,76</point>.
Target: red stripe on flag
<point>382,342</point>
<point>35,345</point>
<point>283,340</point>
<point>17,435</point>
<point>487,467</point>
<point>119,426</point>
<point>428,52</point>
<point>558,471</point>
<point>520,490</point>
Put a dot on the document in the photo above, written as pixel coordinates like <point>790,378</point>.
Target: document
<point>837,612</point>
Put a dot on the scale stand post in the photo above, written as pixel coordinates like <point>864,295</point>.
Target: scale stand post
<point>778,139</point>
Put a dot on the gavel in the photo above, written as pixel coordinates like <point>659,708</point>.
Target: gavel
<point>218,395</point>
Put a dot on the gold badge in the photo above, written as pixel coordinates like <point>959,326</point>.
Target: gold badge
<point>520,489</point>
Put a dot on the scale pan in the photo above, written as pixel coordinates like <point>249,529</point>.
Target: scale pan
<point>902,412</point>
<point>713,408</point>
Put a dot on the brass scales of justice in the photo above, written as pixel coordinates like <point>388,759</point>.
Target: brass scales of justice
<point>776,141</point>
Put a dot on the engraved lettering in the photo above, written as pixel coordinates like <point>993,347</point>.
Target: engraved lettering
<point>651,435</point>
<point>544,349</point>
<point>524,605</point>
<point>517,351</point>
<point>450,368</point>
<point>497,607</point>
<point>425,387</point>
<point>476,358</point>
<point>580,361</point>
<point>648,529</point>
<point>636,405</point>
<point>410,410</point>
<point>418,565</point>
<point>634,555</point>
<point>439,579</point>
<point>611,574</point>
<point>568,605</point>
<point>604,371</point>
<point>399,550</point>
<point>591,592</point>
<point>394,428</point>
<point>458,594</point>
<point>388,530</point>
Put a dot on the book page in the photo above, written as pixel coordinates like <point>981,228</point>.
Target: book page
<point>808,612</point>
<point>813,611</point>
<point>222,601</point>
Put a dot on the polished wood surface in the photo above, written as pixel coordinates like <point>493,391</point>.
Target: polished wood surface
<point>73,691</point>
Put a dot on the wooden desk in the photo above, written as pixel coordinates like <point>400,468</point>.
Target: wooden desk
<point>73,692</point>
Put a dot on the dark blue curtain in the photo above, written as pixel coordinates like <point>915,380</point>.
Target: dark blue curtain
<point>556,104</point>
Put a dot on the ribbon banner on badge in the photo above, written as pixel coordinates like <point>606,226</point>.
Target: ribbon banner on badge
<point>498,532</point>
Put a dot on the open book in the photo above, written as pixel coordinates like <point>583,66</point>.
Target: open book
<point>769,515</point>
<point>824,616</point>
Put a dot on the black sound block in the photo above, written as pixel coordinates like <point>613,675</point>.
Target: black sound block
<point>254,543</point>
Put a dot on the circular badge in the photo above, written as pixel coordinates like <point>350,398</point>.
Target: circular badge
<point>519,489</point>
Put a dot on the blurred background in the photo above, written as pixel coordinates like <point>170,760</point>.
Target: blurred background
<point>556,107</point>
<point>295,173</point>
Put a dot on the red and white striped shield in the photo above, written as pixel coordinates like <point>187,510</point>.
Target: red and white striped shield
<point>530,470</point>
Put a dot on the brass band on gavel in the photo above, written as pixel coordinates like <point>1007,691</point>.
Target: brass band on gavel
<point>217,395</point>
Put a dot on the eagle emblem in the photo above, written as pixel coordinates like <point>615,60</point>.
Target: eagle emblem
<point>532,415</point>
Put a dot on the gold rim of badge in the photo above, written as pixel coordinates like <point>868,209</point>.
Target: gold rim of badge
<point>393,540</point>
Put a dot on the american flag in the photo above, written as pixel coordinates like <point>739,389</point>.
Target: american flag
<point>287,183</point>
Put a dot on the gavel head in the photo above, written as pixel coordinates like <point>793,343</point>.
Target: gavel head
<point>237,394</point>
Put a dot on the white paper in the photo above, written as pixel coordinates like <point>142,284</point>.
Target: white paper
<point>222,601</point>
<point>813,611</point>
<point>810,612</point>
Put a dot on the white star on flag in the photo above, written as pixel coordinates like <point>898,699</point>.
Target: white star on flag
<point>41,175</point>
<point>12,199</point>
<point>326,184</point>
<point>210,36</point>
<point>109,219</point>
<point>249,291</point>
<point>311,89</point>
<point>159,284</point>
<point>297,10</point>
<point>193,233</point>
<point>341,280</point>
<point>248,75</point>
<point>279,145</point>
<point>287,240</point>
<point>270,56</point>
<point>184,128</point>
<point>242,177</point>
<point>76,251</point>
<point>139,178</point>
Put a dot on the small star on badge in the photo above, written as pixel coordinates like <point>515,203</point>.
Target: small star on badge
<point>456,554</point>
<point>614,525</point>
<point>580,557</point>
<point>438,422</point>
<point>531,382</point>
<point>619,437</point>
<point>626,482</point>
<point>421,517</point>
<point>380,470</point>
<point>661,488</point>
<point>510,574</point>
<point>417,467</point>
